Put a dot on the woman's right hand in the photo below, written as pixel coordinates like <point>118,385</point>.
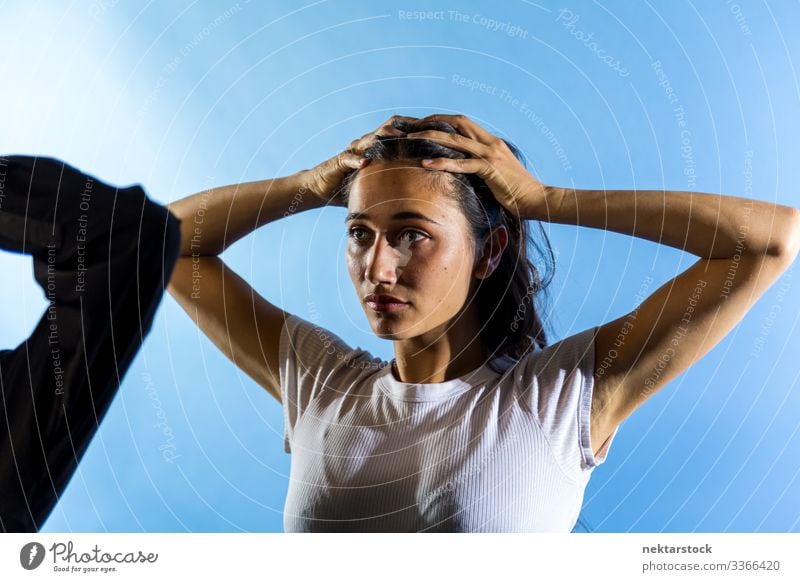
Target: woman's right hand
<point>325,179</point>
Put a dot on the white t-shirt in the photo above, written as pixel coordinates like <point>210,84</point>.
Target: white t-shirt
<point>486,452</point>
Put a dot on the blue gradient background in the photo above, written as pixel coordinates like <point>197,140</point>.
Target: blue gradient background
<point>181,96</point>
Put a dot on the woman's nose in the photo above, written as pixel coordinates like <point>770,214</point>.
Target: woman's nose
<point>385,262</point>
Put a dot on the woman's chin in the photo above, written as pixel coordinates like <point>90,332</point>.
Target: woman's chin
<point>387,328</point>
<point>387,334</point>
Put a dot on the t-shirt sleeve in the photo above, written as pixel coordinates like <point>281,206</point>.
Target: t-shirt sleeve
<point>558,382</point>
<point>311,361</point>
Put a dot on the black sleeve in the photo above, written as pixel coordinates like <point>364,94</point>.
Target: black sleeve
<point>103,256</point>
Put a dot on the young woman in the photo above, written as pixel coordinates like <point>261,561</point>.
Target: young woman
<point>476,424</point>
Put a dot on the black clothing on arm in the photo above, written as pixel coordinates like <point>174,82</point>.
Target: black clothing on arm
<point>103,256</point>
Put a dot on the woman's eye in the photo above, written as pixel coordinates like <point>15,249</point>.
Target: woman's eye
<point>413,233</point>
<point>361,235</point>
<point>354,234</point>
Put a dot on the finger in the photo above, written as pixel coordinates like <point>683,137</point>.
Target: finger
<point>359,145</point>
<point>404,123</point>
<point>458,142</point>
<point>368,139</point>
<point>465,126</point>
<point>388,127</point>
<point>466,166</point>
<point>391,121</point>
<point>352,160</point>
<point>390,130</point>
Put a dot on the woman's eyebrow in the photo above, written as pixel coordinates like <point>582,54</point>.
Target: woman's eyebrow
<point>396,216</point>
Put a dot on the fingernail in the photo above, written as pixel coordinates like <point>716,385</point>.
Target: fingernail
<point>426,161</point>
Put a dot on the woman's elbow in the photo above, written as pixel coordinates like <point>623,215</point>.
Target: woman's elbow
<point>785,235</point>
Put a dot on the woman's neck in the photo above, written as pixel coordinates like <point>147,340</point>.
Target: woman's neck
<point>440,354</point>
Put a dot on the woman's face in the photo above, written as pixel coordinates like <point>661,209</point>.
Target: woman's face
<point>409,239</point>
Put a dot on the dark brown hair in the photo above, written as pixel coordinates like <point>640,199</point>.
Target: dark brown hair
<point>505,300</point>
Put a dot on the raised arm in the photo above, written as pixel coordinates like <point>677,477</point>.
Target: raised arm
<point>214,219</point>
<point>711,226</point>
<point>240,322</point>
<point>744,245</point>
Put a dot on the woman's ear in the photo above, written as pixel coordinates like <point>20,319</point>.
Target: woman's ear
<point>492,251</point>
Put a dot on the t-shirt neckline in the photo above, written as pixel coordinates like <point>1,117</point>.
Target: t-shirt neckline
<point>432,392</point>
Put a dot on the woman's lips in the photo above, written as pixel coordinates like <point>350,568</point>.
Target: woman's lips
<point>390,306</point>
<point>385,303</point>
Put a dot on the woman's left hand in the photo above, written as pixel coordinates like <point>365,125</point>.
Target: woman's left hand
<point>510,182</point>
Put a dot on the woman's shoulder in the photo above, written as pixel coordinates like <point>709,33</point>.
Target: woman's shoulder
<point>314,347</point>
<point>553,377</point>
<point>569,351</point>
